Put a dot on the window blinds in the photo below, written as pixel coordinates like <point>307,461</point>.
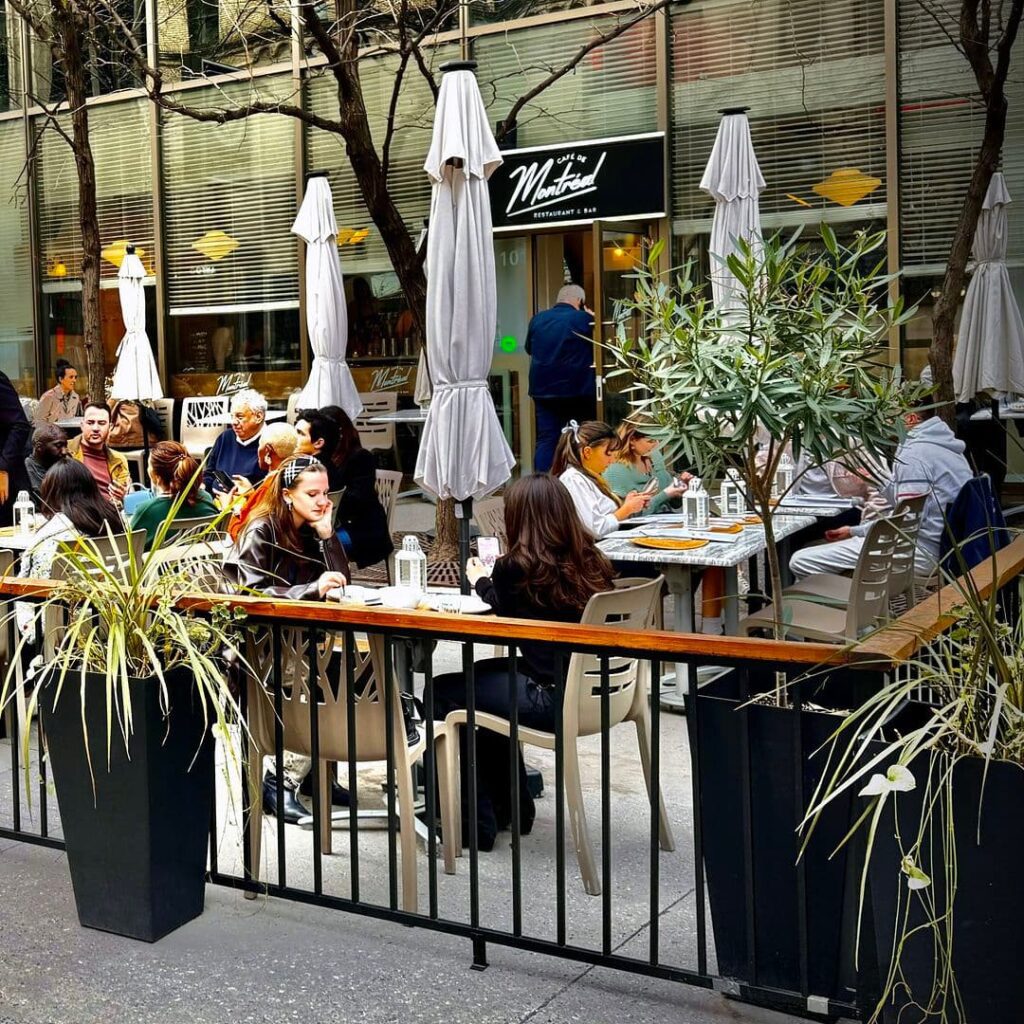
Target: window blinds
<point>16,348</point>
<point>229,207</point>
<point>942,121</point>
<point>610,92</point>
<point>813,76</point>
<point>407,181</point>
<point>119,136</point>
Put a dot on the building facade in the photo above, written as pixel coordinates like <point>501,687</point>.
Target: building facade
<point>863,115</point>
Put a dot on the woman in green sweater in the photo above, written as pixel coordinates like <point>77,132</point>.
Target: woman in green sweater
<point>639,462</point>
<point>171,471</point>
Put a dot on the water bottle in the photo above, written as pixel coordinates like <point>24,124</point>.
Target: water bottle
<point>24,513</point>
<point>411,565</point>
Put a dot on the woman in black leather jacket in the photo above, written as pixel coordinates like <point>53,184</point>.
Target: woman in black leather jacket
<point>289,548</point>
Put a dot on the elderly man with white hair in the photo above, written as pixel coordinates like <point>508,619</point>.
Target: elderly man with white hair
<point>562,382</point>
<point>236,452</point>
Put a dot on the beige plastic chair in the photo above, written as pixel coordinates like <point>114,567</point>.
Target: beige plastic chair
<point>388,484</point>
<point>165,410</point>
<point>625,608</point>
<point>292,407</point>
<point>376,436</point>
<point>490,519</point>
<point>867,608</point>
<point>370,730</point>
<point>196,411</point>
<point>835,588</point>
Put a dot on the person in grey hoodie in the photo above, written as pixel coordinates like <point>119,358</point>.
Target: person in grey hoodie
<point>929,461</point>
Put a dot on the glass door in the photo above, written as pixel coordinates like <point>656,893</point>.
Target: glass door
<point>618,248</point>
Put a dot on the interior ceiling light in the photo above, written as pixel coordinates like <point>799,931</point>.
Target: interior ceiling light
<point>215,245</point>
<point>116,251</point>
<point>847,186</point>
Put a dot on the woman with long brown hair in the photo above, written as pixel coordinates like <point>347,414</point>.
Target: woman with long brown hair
<point>584,452</point>
<point>551,570</point>
<point>172,472</point>
<point>639,462</point>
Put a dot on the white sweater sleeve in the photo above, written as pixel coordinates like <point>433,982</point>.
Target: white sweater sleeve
<point>595,509</point>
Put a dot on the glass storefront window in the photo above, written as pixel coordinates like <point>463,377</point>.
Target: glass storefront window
<point>510,361</point>
<point>17,352</point>
<point>489,12</point>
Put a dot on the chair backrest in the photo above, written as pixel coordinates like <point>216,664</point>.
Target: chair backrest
<point>907,519</point>
<point>376,435</point>
<point>292,407</point>
<point>388,484</point>
<point>164,408</point>
<point>622,608</point>
<point>194,412</point>
<point>333,687</point>
<point>869,589</point>
<point>184,528</point>
<point>490,518</point>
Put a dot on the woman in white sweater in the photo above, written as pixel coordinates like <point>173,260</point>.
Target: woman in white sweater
<point>584,452</point>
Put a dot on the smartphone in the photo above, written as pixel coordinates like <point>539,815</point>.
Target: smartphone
<point>226,483</point>
<point>488,549</point>
<point>652,486</point>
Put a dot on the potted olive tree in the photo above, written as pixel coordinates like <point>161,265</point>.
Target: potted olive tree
<point>131,690</point>
<point>801,366</point>
<point>936,759</point>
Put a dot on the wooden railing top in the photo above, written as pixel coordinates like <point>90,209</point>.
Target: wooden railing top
<point>896,643</point>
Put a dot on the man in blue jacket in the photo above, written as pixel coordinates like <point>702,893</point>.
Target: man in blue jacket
<point>561,350</point>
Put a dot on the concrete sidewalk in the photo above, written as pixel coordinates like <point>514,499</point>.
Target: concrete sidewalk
<point>270,961</point>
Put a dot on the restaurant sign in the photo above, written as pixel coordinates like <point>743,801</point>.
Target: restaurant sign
<point>580,182</point>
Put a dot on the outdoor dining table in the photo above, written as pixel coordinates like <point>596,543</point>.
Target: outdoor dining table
<point>678,568</point>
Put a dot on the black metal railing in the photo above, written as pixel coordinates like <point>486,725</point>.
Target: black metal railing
<point>656,925</point>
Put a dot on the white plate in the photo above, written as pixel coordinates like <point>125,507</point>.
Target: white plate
<point>468,604</point>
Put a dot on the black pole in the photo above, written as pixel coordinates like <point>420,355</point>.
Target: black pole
<point>463,512</point>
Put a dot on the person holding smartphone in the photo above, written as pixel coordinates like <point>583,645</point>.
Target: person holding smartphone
<point>640,466</point>
<point>233,466</point>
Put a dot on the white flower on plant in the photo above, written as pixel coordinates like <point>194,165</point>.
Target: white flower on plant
<point>916,878</point>
<point>897,779</point>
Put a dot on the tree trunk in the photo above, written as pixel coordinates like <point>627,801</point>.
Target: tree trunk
<point>446,545</point>
<point>72,33</point>
<point>946,306</point>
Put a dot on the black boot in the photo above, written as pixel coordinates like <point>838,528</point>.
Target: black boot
<point>339,795</point>
<point>291,807</point>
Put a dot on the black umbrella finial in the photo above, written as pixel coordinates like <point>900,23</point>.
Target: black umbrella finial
<point>459,65</point>
<point>129,249</point>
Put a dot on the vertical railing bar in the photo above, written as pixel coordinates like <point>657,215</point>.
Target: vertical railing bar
<point>15,730</point>
<point>693,733</point>
<point>559,798</point>
<point>248,807</point>
<point>278,688</point>
<point>513,748</point>
<point>801,864</point>
<point>312,655</point>
<point>214,869</point>
<point>655,797</point>
<point>606,808</point>
<point>44,825</point>
<point>469,774</point>
<point>748,828</point>
<point>353,777</point>
<point>430,780</point>
<point>389,747</point>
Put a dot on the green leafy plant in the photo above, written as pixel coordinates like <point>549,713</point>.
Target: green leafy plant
<point>801,364</point>
<point>119,618</point>
<point>965,688</point>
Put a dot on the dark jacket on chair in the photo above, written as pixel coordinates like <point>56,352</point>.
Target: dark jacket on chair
<point>360,511</point>
<point>975,527</point>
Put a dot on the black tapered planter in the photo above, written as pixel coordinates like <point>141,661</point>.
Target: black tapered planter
<point>988,909</point>
<point>137,847</point>
<point>753,882</point>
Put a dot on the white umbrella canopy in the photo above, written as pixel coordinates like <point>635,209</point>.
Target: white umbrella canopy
<point>989,357</point>
<point>135,374</point>
<point>463,453</point>
<point>330,380</point>
<point>733,179</point>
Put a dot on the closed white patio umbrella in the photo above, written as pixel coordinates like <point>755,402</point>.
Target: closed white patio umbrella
<point>135,375</point>
<point>733,179</point>
<point>330,380</point>
<point>464,454</point>
<point>989,356</point>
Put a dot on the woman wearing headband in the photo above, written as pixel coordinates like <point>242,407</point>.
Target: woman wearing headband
<point>289,548</point>
<point>584,452</point>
